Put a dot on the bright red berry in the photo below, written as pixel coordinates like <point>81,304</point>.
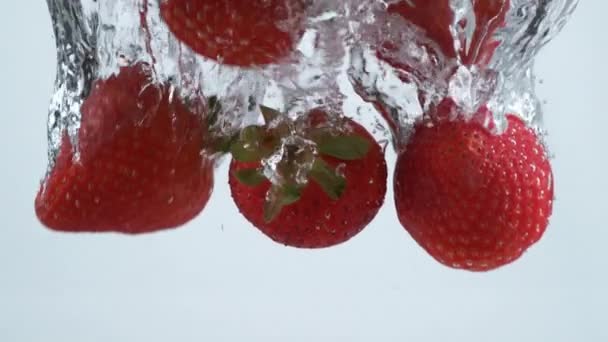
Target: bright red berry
<point>314,216</point>
<point>472,199</point>
<point>139,166</point>
<point>237,32</point>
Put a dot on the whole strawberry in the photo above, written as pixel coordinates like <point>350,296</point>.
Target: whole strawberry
<point>330,187</point>
<point>139,166</point>
<point>237,32</point>
<point>472,199</point>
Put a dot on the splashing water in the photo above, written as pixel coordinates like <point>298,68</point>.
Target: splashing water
<point>95,38</point>
<point>404,56</point>
<point>412,55</point>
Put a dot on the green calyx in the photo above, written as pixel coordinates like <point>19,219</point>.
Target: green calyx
<point>256,143</point>
<point>332,183</point>
<point>250,177</point>
<point>269,114</point>
<point>278,197</point>
<point>247,146</point>
<point>344,147</point>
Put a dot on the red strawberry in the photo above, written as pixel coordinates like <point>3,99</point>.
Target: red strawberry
<point>237,32</point>
<point>436,19</point>
<point>433,17</point>
<point>490,15</point>
<point>471,199</point>
<point>139,167</point>
<point>331,207</point>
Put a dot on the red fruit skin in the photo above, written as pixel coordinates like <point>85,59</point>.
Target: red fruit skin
<point>140,167</point>
<point>490,15</point>
<point>316,221</point>
<point>435,18</point>
<point>474,200</point>
<point>243,33</point>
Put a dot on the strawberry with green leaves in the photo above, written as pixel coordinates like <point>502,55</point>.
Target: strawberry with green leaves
<point>316,189</point>
<point>473,199</point>
<point>139,166</point>
<point>237,32</point>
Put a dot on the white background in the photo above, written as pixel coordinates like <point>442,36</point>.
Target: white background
<point>219,279</point>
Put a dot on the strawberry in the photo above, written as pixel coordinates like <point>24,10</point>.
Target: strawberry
<point>472,199</point>
<point>333,184</point>
<point>139,166</point>
<point>235,32</point>
<point>436,20</point>
<point>490,15</point>
<point>432,17</point>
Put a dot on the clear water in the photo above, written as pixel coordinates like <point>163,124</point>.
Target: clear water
<point>505,84</point>
<point>338,54</point>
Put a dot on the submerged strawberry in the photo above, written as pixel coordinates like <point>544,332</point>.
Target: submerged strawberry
<point>436,21</point>
<point>236,32</point>
<point>331,186</point>
<point>139,166</point>
<point>434,18</point>
<point>490,16</point>
<point>471,199</point>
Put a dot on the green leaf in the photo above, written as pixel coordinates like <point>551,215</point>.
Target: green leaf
<point>277,198</point>
<point>272,209</point>
<point>245,148</point>
<point>251,134</point>
<point>330,181</point>
<point>318,134</point>
<point>223,144</point>
<point>290,194</point>
<point>245,152</point>
<point>269,114</point>
<point>250,177</point>
<point>345,147</point>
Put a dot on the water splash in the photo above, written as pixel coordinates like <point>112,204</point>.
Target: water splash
<point>412,55</point>
<point>95,38</point>
<point>478,53</point>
